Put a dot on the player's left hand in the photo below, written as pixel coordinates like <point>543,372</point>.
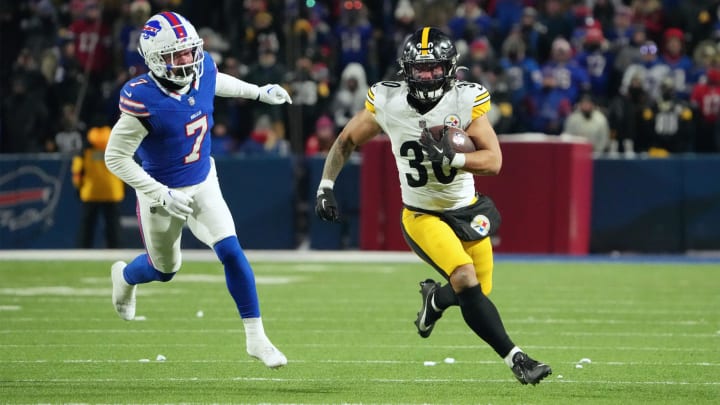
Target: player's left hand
<point>440,151</point>
<point>274,94</point>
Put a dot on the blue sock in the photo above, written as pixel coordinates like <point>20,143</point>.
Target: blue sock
<point>238,276</point>
<point>140,271</point>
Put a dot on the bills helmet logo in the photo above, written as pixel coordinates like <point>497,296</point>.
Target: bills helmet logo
<point>151,29</point>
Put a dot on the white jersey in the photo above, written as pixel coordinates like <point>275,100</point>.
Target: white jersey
<point>424,184</point>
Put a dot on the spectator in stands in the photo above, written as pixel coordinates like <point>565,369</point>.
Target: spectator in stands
<point>620,32</point>
<point>550,106</point>
<point>628,54</point>
<point>705,56</point>
<point>506,15</point>
<point>650,68</point>
<point>531,31</point>
<point>351,94</point>
<point>589,122</point>
<point>669,122</point>
<point>100,191</point>
<point>625,118</point>
<point>267,70</point>
<point>571,79</point>
<point>559,23</point>
<point>482,66</point>
<point>469,22</point>
<point>705,98</point>
<point>25,114</point>
<point>93,41</point>
<point>354,38</point>
<point>603,11</point>
<point>597,61</point>
<point>127,40</point>
<point>69,138</point>
<point>306,93</point>
<point>649,14</point>
<point>523,76</point>
<point>268,137</point>
<point>679,64</point>
<point>319,143</point>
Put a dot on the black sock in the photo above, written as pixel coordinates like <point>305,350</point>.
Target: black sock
<point>445,297</point>
<point>483,318</point>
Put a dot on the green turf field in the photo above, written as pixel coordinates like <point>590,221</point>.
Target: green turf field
<point>650,331</point>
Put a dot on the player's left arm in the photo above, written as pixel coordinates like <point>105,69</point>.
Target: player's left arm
<point>229,86</point>
<point>487,159</point>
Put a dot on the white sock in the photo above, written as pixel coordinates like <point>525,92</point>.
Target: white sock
<point>254,329</point>
<point>509,358</point>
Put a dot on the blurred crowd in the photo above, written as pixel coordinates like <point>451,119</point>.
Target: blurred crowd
<point>632,76</point>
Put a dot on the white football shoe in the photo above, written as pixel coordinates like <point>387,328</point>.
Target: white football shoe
<point>123,294</point>
<point>266,352</point>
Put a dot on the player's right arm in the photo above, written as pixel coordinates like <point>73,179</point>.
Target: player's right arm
<point>361,128</point>
<point>125,137</point>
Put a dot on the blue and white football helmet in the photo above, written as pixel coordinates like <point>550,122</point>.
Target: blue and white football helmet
<point>164,35</point>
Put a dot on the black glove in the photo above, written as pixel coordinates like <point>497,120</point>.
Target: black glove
<point>438,151</point>
<point>326,206</point>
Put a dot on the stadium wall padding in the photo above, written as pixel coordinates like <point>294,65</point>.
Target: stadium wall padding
<point>641,205</point>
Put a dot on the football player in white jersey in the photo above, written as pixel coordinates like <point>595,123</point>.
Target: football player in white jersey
<point>166,118</point>
<point>444,220</point>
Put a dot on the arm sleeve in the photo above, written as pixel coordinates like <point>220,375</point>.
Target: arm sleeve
<point>125,137</point>
<point>228,86</point>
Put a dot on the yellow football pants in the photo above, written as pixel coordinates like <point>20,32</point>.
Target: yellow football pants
<point>435,242</point>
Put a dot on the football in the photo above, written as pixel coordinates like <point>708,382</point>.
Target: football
<point>458,138</point>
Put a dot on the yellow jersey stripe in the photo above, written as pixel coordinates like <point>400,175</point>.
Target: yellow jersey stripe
<point>480,109</point>
<point>370,101</point>
<point>481,95</point>
<point>481,100</point>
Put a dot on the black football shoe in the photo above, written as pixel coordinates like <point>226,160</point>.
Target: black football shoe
<point>527,370</point>
<point>427,316</point>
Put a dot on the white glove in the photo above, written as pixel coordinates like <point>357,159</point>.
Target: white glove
<point>273,94</point>
<point>176,203</point>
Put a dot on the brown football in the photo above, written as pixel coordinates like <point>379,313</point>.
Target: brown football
<point>458,138</point>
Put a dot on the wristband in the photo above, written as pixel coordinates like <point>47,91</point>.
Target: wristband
<point>325,183</point>
<point>458,161</point>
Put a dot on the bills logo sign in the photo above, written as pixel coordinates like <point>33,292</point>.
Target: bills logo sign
<point>151,29</point>
<point>28,196</point>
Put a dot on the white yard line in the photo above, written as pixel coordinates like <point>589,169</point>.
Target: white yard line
<point>377,346</point>
<point>488,362</point>
<point>352,378</point>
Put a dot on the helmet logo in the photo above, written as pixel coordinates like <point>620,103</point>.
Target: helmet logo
<point>151,29</point>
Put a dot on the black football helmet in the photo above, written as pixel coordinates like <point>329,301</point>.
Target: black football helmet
<point>428,64</point>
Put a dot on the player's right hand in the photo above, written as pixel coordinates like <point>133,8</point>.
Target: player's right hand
<point>176,203</point>
<point>440,151</point>
<point>274,94</point>
<point>326,205</point>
